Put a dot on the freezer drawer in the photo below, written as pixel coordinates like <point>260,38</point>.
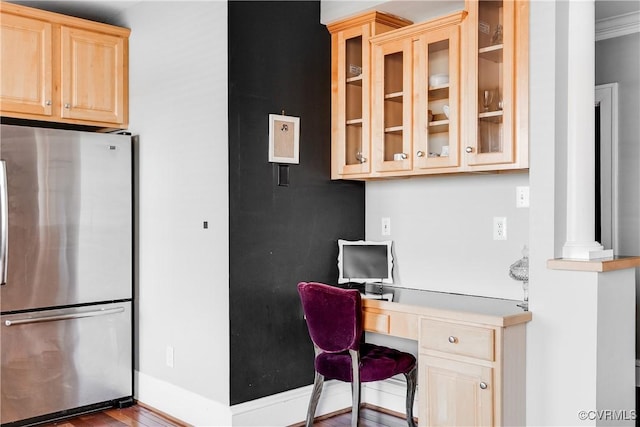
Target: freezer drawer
<point>57,360</point>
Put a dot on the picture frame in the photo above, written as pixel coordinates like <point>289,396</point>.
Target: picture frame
<point>284,139</point>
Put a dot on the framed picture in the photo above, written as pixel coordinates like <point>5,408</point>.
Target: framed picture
<point>284,139</point>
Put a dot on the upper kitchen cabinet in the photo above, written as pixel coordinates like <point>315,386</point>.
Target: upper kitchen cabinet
<point>25,65</point>
<point>351,91</point>
<point>415,98</point>
<point>496,54</point>
<point>62,69</point>
<point>449,95</point>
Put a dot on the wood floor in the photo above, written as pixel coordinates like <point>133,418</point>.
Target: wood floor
<point>141,416</point>
<point>133,416</point>
<point>370,416</point>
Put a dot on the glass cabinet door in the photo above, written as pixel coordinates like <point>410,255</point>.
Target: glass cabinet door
<point>352,154</point>
<point>391,105</point>
<point>493,38</point>
<point>436,115</point>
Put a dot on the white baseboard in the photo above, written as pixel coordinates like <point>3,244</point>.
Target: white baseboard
<point>280,409</point>
<point>290,407</point>
<point>182,404</point>
<point>390,394</point>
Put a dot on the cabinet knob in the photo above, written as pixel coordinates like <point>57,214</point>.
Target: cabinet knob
<point>453,339</point>
<point>360,157</point>
<point>67,106</point>
<point>469,149</point>
<point>47,102</point>
<point>483,385</point>
<point>420,154</point>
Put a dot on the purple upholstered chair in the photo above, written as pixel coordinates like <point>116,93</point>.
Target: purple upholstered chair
<point>334,320</point>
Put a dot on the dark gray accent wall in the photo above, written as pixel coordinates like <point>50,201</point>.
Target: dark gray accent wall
<point>280,59</point>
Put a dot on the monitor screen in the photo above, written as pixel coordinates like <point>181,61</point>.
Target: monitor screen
<point>364,262</point>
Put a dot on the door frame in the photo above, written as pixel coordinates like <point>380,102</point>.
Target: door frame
<point>606,96</point>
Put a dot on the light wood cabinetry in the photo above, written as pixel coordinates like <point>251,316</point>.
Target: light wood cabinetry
<point>62,69</point>
<point>425,93</point>
<point>351,90</point>
<point>471,355</point>
<point>25,65</point>
<point>497,60</point>
<point>453,393</point>
<point>415,98</point>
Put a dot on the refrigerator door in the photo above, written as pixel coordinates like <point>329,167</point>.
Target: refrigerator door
<point>60,359</point>
<point>69,234</point>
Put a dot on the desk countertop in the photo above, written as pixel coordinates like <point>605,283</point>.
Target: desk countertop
<point>476,309</point>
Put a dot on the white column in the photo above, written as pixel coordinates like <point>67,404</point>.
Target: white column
<point>581,242</point>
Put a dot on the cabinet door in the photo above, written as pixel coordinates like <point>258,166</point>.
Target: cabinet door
<point>350,92</point>
<point>25,65</point>
<point>391,105</point>
<point>454,393</point>
<point>491,117</point>
<point>93,76</point>
<point>436,98</point>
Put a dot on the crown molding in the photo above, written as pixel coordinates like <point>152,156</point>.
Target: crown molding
<point>618,26</point>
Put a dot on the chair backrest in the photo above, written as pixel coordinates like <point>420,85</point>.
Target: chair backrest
<point>334,316</point>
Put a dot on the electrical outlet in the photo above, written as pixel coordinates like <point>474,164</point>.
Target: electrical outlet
<point>169,356</point>
<point>522,197</point>
<point>499,228</point>
<point>386,226</point>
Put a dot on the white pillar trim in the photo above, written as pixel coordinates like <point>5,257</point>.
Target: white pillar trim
<point>580,243</point>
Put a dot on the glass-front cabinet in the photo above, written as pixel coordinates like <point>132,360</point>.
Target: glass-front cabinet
<point>416,98</point>
<point>498,59</point>
<point>437,101</point>
<point>391,106</point>
<point>447,95</point>
<point>351,91</point>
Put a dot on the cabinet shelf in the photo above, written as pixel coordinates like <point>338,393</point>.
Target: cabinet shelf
<point>393,129</point>
<point>395,96</point>
<point>354,122</point>
<point>491,53</point>
<point>439,92</point>
<point>439,87</point>
<point>357,80</point>
<point>439,126</point>
<point>491,116</point>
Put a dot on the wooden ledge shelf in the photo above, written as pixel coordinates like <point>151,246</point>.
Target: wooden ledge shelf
<point>596,265</point>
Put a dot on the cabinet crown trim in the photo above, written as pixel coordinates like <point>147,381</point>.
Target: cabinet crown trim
<point>423,27</point>
<point>57,18</point>
<point>366,17</point>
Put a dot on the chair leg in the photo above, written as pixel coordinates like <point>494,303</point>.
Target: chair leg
<point>411,377</point>
<point>355,387</point>
<point>315,397</point>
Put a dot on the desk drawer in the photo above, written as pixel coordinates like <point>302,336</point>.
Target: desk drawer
<point>375,322</point>
<point>457,339</point>
<point>396,323</point>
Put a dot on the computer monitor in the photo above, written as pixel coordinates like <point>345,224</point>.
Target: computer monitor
<point>364,261</point>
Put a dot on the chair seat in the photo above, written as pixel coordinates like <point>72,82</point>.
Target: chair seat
<point>376,363</point>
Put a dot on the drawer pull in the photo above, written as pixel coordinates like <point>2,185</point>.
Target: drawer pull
<point>483,385</point>
<point>453,340</point>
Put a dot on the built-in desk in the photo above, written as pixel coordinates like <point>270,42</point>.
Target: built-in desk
<point>471,361</point>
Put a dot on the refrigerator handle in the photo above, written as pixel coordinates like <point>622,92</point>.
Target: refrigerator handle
<point>4,223</point>
<point>94,313</point>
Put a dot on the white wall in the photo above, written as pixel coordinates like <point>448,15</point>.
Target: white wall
<point>442,229</point>
<point>178,101</point>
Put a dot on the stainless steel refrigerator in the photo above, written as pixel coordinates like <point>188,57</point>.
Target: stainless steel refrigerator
<point>66,272</point>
